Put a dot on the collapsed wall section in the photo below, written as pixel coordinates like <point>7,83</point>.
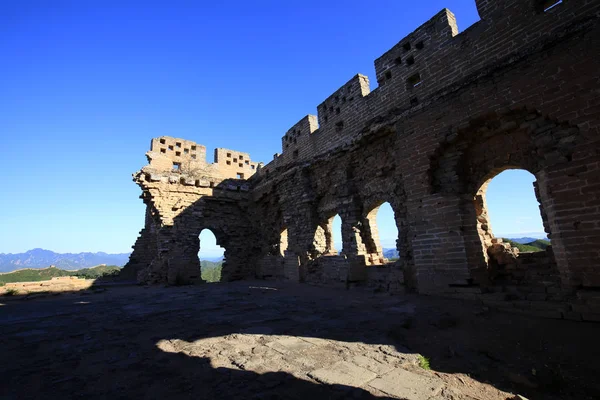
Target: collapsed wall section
<point>184,195</point>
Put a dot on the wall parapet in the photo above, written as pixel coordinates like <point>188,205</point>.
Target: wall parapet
<point>433,57</point>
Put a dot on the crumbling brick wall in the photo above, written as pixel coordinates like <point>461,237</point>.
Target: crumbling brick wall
<point>518,89</point>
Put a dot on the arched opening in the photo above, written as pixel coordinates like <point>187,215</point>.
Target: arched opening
<point>518,246</point>
<point>211,257</point>
<point>283,241</point>
<point>337,241</point>
<point>328,237</point>
<point>382,245</point>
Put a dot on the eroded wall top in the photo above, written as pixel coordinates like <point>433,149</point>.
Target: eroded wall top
<point>169,155</point>
<point>430,62</point>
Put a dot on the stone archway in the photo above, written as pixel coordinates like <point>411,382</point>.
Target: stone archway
<point>522,139</point>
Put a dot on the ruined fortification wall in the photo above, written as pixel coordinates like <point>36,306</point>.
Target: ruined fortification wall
<point>185,194</point>
<point>518,89</point>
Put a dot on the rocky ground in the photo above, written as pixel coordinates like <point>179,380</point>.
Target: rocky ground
<point>285,341</point>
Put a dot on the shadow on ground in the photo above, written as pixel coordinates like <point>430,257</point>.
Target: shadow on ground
<point>243,341</point>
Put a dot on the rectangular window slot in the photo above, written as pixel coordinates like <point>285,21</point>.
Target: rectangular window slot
<point>186,151</point>
<point>228,154</point>
<point>252,166</point>
<point>247,162</point>
<point>163,150</point>
<point>178,145</point>
<point>388,75</point>
<point>228,162</point>
<point>212,184</point>
<point>182,181</point>
<point>176,166</point>
<point>398,60</point>
<point>410,60</point>
<point>406,46</point>
<point>337,110</point>
<point>240,175</point>
<point>197,182</point>
<point>194,156</point>
<point>235,160</point>
<point>193,148</point>
<point>339,125</point>
<point>414,80</point>
<point>241,165</point>
<point>295,154</point>
<point>177,153</point>
<point>162,141</point>
<point>171,148</point>
<point>241,157</point>
<point>420,45</point>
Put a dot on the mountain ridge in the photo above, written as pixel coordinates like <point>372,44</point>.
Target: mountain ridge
<point>41,258</point>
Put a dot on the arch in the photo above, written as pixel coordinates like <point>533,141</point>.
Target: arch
<point>283,241</point>
<point>488,145</point>
<point>324,241</point>
<point>505,261</point>
<point>520,138</point>
<point>210,255</point>
<point>381,233</point>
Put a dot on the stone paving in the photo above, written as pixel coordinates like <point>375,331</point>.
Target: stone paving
<point>243,340</point>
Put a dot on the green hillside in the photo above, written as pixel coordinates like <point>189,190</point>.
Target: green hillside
<point>211,271</point>
<point>537,245</point>
<point>44,274</point>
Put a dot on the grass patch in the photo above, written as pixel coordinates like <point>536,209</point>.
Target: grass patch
<point>424,362</point>
<point>44,274</point>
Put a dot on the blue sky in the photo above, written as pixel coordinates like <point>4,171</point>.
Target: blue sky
<point>85,85</point>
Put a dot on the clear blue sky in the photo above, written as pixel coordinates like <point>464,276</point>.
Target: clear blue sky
<point>85,85</point>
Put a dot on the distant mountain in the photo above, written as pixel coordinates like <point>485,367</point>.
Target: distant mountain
<point>524,237</point>
<point>533,245</point>
<point>391,253</point>
<point>40,258</point>
<point>522,240</point>
<point>44,274</point>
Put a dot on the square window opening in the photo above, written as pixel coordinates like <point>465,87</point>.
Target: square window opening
<point>162,141</point>
<point>414,80</point>
<point>163,151</point>
<point>240,175</point>
<point>228,162</point>
<point>177,144</point>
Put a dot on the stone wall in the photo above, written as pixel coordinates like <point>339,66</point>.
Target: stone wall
<point>518,89</point>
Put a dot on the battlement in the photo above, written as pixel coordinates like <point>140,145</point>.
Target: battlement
<point>424,65</point>
<point>168,155</point>
<point>234,164</point>
<point>403,65</point>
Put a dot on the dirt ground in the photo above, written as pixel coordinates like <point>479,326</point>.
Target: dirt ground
<point>258,340</point>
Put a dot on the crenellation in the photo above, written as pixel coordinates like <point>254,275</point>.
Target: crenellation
<point>518,89</point>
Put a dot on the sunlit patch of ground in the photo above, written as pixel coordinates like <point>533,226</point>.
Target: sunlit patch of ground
<point>54,285</point>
